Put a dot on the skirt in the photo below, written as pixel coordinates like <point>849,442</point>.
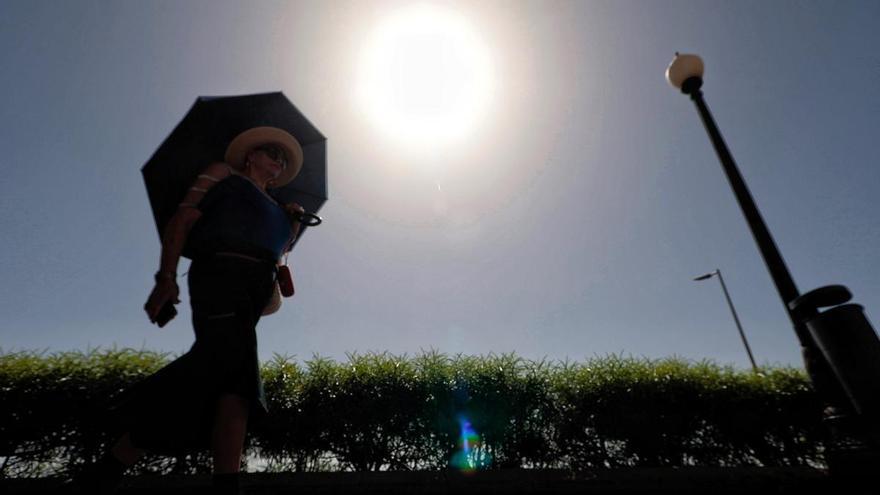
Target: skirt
<point>172,411</point>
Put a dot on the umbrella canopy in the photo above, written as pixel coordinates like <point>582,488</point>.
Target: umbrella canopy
<point>205,131</point>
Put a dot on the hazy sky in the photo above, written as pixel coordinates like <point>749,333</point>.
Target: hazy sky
<point>565,219</point>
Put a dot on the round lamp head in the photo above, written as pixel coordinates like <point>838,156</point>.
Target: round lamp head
<point>683,67</point>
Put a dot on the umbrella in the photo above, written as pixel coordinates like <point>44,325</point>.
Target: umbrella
<point>205,131</point>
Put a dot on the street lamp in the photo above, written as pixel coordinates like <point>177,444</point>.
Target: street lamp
<point>686,73</point>
<point>733,311</point>
<point>840,347</point>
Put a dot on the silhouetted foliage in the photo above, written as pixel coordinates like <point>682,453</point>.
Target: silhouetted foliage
<point>385,412</point>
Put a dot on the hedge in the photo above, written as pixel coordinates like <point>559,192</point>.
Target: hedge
<point>434,411</point>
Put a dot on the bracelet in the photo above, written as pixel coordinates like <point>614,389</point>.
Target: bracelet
<point>169,275</point>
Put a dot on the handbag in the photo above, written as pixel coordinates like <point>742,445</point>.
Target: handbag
<point>274,303</point>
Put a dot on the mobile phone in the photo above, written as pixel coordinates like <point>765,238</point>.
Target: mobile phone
<point>165,315</point>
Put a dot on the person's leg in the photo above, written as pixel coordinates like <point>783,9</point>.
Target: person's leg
<point>104,476</point>
<point>230,427</point>
<point>125,452</point>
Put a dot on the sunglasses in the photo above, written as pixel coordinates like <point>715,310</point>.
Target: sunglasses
<point>274,153</point>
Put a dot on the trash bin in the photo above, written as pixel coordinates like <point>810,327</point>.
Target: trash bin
<point>852,349</point>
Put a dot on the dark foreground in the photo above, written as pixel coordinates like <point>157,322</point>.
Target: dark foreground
<point>612,481</point>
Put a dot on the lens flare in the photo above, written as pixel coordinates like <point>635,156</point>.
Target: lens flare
<point>470,456</point>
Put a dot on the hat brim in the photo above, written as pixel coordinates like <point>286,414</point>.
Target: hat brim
<point>238,148</point>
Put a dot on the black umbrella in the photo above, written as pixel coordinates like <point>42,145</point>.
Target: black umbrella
<point>202,136</point>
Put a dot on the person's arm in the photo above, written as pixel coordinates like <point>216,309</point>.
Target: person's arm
<point>274,303</point>
<point>175,235</point>
<point>294,211</point>
<point>284,282</point>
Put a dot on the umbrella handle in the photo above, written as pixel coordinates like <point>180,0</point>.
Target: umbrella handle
<point>309,219</point>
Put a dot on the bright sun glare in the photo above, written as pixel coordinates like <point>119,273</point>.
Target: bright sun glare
<point>425,77</point>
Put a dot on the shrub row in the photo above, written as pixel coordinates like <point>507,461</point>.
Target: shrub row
<point>433,411</point>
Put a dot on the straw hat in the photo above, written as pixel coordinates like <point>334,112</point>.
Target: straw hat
<point>238,148</point>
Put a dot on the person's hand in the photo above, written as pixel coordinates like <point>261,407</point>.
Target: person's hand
<point>294,211</point>
<point>165,290</point>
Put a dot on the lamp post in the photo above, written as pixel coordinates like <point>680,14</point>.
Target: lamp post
<point>686,73</point>
<point>840,347</point>
<point>733,311</point>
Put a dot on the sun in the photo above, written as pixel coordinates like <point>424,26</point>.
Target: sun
<point>425,77</point>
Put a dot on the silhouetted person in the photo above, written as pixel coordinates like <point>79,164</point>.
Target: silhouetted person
<point>235,234</point>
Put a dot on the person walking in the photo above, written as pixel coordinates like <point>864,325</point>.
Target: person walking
<point>236,234</point>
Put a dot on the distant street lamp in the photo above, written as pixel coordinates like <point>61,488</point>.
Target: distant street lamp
<point>733,311</point>
<point>840,347</point>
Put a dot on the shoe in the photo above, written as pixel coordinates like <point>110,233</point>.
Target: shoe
<point>101,478</point>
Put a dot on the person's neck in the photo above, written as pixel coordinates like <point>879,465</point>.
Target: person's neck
<point>258,179</point>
